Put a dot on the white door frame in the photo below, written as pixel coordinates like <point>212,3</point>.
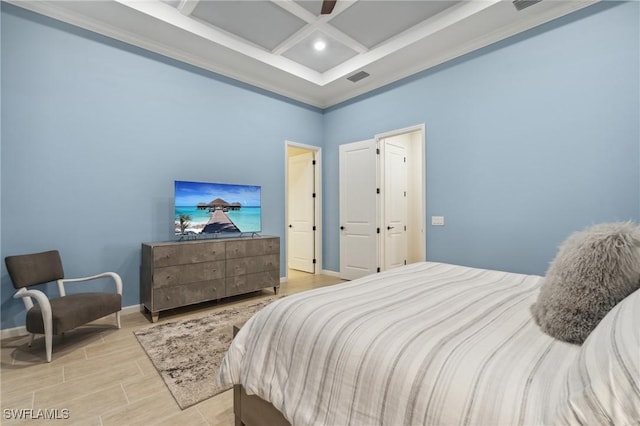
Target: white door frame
<point>318,204</point>
<point>423,171</point>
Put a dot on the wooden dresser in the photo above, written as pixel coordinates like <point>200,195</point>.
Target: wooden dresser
<point>180,273</point>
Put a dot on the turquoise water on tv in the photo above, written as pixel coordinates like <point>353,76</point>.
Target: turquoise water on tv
<point>247,219</point>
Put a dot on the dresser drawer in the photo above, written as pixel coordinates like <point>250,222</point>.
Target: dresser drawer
<point>251,265</point>
<point>271,246</point>
<point>271,262</point>
<point>191,273</point>
<point>252,247</point>
<point>188,294</point>
<point>186,253</point>
<point>252,282</point>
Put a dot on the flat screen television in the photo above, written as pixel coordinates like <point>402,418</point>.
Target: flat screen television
<point>216,208</point>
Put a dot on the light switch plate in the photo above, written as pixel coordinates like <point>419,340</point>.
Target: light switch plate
<point>437,220</point>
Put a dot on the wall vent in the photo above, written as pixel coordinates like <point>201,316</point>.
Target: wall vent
<point>358,76</point>
<point>523,4</point>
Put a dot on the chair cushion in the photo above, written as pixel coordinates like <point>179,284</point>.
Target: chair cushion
<point>74,310</point>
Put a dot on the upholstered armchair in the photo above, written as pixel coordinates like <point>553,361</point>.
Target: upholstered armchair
<point>51,316</point>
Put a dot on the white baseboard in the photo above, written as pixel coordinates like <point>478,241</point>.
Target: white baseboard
<point>322,272</point>
<point>8,333</point>
<point>331,273</point>
<point>132,308</point>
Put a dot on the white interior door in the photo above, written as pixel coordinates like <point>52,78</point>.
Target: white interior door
<point>358,209</point>
<point>301,212</point>
<point>395,204</point>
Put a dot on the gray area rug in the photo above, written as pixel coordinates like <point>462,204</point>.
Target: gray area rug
<point>188,353</point>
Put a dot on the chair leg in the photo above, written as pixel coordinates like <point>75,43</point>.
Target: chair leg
<point>48,330</point>
<point>118,319</point>
<point>48,340</point>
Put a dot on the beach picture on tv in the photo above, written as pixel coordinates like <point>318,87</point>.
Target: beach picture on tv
<point>216,208</point>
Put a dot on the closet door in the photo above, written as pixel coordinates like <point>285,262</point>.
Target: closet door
<point>301,212</point>
<point>394,194</point>
<point>359,209</point>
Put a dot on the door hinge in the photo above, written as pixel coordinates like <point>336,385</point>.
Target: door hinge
<point>378,270</point>
<point>314,228</point>
<point>405,193</point>
<point>405,261</point>
<point>405,159</point>
<point>405,227</point>
<point>314,262</point>
<point>377,190</point>
<point>378,151</point>
<point>314,162</point>
<point>313,195</point>
<point>377,230</point>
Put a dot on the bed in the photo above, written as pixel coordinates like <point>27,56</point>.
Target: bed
<point>429,344</point>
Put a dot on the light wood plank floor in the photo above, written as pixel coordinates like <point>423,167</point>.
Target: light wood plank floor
<point>101,375</point>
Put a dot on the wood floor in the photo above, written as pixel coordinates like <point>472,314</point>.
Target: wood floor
<point>100,375</point>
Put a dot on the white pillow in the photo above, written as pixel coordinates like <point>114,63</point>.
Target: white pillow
<point>603,384</point>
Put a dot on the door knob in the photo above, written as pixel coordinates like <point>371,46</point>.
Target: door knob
<point>389,227</point>
<point>342,228</point>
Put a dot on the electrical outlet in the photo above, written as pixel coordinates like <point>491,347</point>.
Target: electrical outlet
<point>437,220</point>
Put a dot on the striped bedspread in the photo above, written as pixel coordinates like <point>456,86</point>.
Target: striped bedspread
<point>425,344</point>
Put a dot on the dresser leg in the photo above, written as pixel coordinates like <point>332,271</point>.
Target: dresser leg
<point>155,316</point>
<point>275,290</point>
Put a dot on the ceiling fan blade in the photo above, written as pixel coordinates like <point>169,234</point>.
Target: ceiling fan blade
<point>327,7</point>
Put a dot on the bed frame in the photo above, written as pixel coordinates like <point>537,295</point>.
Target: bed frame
<point>250,410</point>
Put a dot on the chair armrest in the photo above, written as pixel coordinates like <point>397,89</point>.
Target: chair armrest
<point>116,278</point>
<point>41,298</point>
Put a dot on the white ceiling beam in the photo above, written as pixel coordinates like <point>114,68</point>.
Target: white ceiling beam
<point>335,33</point>
<point>294,39</point>
<point>418,32</point>
<point>186,7</point>
<point>295,9</point>
<point>328,30</point>
<point>325,26</point>
<point>171,16</point>
<point>316,23</point>
<point>340,7</point>
<point>302,13</point>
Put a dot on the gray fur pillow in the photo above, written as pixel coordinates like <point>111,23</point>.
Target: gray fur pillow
<point>593,271</point>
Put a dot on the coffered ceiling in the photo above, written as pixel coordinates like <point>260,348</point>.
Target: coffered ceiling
<point>270,43</point>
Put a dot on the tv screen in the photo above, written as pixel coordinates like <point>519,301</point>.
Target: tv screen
<point>216,208</point>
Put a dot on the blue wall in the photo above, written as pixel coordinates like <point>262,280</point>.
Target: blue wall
<point>94,133</point>
<point>527,140</point>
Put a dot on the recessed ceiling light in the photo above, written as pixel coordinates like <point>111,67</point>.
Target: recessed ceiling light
<point>319,45</point>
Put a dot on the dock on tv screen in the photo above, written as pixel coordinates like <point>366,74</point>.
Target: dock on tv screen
<point>216,208</point>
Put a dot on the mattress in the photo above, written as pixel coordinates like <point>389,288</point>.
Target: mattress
<point>427,343</point>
